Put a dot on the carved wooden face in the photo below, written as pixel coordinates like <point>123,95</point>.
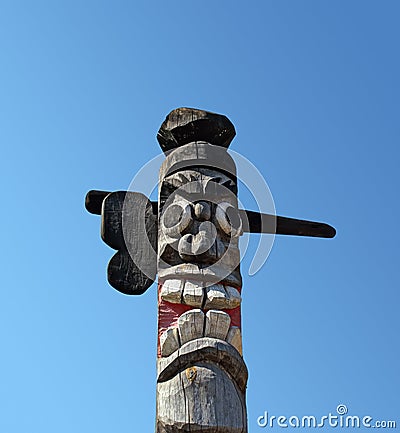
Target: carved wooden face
<point>199,227</point>
<point>198,258</point>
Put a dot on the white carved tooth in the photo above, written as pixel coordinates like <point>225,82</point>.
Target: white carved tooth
<point>171,291</point>
<point>193,294</point>
<point>234,338</point>
<point>190,325</point>
<point>216,297</point>
<point>169,341</point>
<point>217,324</point>
<point>234,298</point>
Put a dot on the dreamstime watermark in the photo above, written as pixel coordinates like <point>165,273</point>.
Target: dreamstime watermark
<point>339,419</point>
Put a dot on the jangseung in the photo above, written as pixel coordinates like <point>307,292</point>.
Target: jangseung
<point>190,238</point>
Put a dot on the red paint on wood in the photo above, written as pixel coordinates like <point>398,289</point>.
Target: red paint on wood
<point>168,314</point>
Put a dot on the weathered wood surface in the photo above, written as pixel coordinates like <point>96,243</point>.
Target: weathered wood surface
<point>185,125</point>
<point>129,226</point>
<point>201,388</point>
<point>193,293</point>
<point>266,223</point>
<point>202,377</point>
<point>204,350</point>
<point>201,154</point>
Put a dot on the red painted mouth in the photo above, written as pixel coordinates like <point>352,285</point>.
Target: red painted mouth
<point>169,314</point>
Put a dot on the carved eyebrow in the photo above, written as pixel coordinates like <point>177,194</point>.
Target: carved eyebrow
<point>222,180</point>
<point>182,178</point>
<point>229,183</point>
<point>178,179</point>
<point>225,182</point>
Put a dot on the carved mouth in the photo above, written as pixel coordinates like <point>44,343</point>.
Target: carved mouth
<point>196,324</point>
<point>192,308</point>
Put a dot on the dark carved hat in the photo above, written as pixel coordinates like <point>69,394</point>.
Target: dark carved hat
<point>187,125</point>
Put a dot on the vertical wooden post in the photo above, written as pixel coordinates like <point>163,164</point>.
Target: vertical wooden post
<point>201,374</point>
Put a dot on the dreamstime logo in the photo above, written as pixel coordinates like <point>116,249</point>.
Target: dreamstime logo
<point>341,409</point>
<point>221,202</point>
<point>340,419</point>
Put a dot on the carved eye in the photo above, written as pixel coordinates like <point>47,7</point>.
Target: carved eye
<point>229,219</point>
<point>175,219</point>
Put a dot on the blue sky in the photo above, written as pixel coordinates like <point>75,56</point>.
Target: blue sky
<point>313,90</point>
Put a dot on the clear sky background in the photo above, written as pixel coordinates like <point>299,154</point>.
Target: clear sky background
<point>313,90</point>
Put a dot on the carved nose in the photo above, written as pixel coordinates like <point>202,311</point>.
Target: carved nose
<point>198,244</point>
<point>202,210</point>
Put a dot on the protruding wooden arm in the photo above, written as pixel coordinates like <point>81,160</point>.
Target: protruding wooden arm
<point>94,200</point>
<point>256,222</point>
<point>253,222</point>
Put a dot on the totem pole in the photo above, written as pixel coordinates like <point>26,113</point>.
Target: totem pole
<point>190,239</point>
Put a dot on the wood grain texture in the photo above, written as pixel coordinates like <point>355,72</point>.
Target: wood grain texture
<point>235,338</point>
<point>217,324</point>
<point>201,388</point>
<point>265,223</point>
<point>193,294</point>
<point>185,125</point>
<point>169,341</point>
<point>198,154</point>
<point>191,325</point>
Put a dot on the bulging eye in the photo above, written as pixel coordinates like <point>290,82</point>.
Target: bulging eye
<point>175,219</point>
<point>229,219</point>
